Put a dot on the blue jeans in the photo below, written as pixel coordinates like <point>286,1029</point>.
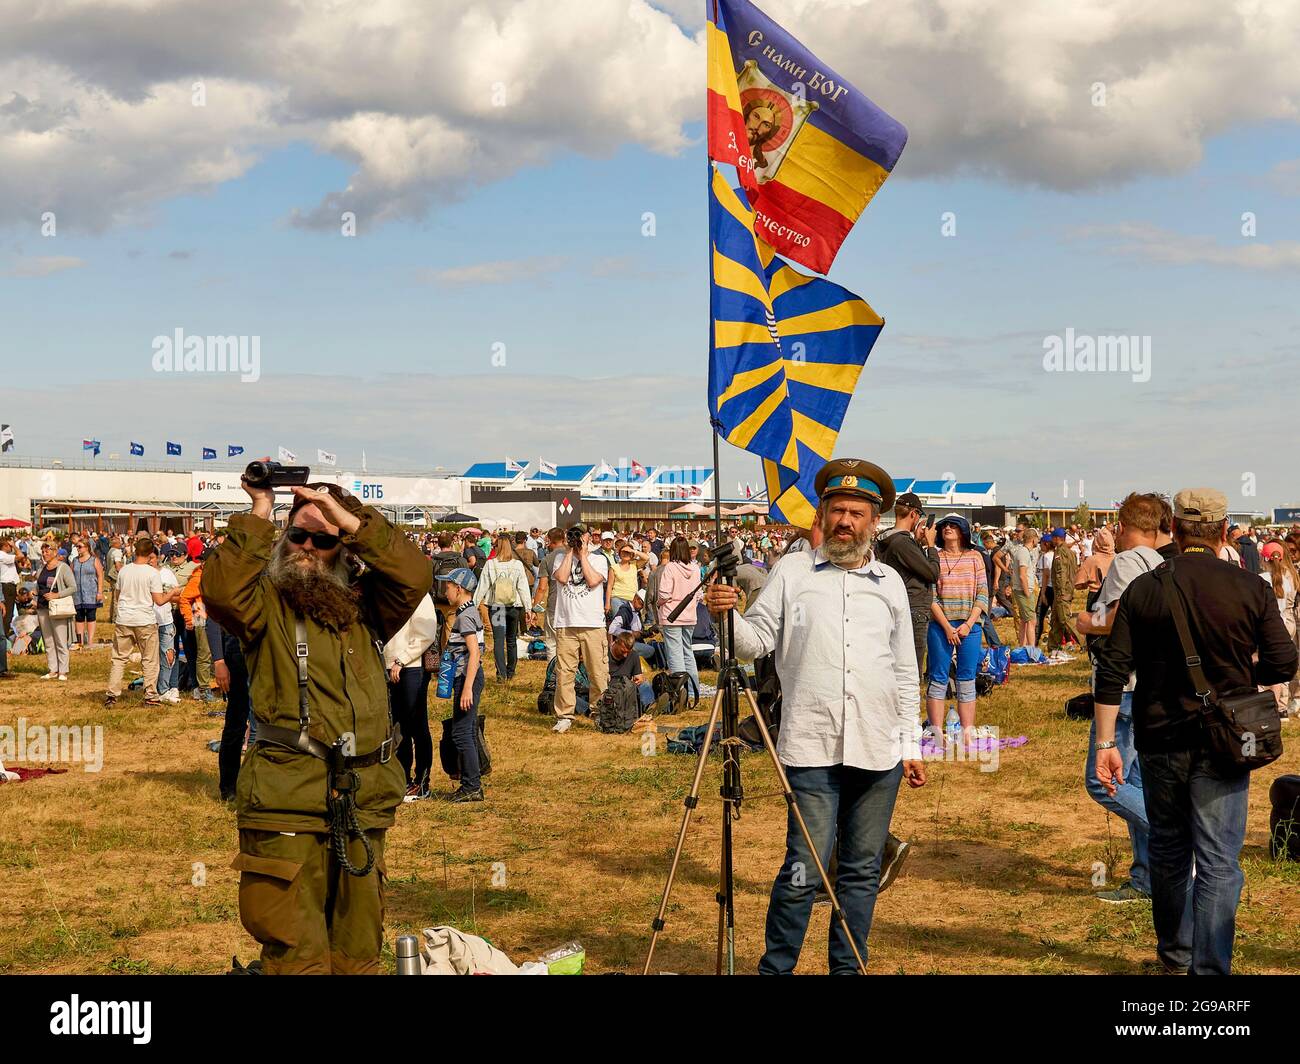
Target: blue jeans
<point>990,632</point>
<point>1127,803</point>
<point>677,649</point>
<point>840,803</point>
<point>1195,813</point>
<point>167,674</point>
<point>652,654</point>
<point>507,623</point>
<point>939,660</point>
<point>464,728</point>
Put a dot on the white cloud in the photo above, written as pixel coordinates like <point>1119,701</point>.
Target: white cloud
<point>44,265</point>
<point>505,271</point>
<point>1153,244</point>
<point>429,99</point>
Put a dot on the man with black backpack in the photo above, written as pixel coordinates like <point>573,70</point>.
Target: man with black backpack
<point>1191,631</point>
<point>445,560</point>
<point>908,548</point>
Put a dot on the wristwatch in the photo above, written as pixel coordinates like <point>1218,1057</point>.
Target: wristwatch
<point>1106,746</point>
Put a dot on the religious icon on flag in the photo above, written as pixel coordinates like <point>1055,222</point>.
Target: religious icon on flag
<point>810,149</point>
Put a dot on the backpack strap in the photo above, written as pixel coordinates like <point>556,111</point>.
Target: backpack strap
<point>1174,600</point>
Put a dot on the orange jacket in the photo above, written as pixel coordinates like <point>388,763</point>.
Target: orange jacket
<point>191,600</point>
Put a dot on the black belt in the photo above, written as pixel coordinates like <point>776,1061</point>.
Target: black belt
<point>303,743</point>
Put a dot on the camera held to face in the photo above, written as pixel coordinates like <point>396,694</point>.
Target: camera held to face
<point>273,475</point>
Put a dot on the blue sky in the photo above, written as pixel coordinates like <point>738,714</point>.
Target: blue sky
<point>373,342</point>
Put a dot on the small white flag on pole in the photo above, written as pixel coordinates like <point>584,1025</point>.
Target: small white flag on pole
<point>514,467</point>
<point>6,442</point>
<point>546,467</point>
<point>605,470</point>
<point>325,458</point>
<point>363,461</point>
<point>287,455</point>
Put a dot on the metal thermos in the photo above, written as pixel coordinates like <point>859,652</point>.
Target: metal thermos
<point>408,955</point>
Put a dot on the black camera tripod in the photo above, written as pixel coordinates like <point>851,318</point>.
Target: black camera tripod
<point>732,683</point>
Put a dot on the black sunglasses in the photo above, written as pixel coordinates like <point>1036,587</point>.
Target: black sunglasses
<point>319,540</point>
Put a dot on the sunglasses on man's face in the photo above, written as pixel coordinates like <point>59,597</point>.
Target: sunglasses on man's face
<point>319,540</point>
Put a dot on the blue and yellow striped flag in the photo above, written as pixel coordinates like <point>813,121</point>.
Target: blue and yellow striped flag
<point>747,387</point>
<point>787,349</point>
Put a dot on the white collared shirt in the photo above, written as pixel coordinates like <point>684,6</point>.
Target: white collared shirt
<point>845,656</point>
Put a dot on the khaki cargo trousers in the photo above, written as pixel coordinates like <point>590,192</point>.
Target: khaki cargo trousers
<point>311,915</point>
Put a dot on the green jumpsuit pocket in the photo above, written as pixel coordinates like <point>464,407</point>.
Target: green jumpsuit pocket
<point>268,898</point>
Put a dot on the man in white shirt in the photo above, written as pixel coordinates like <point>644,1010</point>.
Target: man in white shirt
<point>841,628</point>
<point>139,590</point>
<point>578,573</point>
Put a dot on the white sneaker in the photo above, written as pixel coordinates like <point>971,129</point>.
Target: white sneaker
<point>172,696</point>
<point>562,725</point>
<point>50,676</point>
<point>64,678</point>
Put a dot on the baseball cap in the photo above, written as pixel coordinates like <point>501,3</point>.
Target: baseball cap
<point>607,534</point>
<point>1271,550</point>
<point>911,500</point>
<point>1200,504</point>
<point>462,577</point>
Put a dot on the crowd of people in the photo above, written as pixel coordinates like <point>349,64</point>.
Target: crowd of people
<point>615,604</point>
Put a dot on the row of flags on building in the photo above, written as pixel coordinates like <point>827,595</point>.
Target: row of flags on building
<point>176,450</point>
<point>786,348</point>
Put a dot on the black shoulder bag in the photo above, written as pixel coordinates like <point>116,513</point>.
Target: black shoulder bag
<point>1242,732</point>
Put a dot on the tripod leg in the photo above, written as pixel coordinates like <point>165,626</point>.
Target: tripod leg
<point>803,828</point>
<point>690,802</point>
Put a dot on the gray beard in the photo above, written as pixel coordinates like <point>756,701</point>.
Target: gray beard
<point>323,595</point>
<point>845,552</point>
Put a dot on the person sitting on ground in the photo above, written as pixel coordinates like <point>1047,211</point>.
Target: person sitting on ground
<point>626,662</point>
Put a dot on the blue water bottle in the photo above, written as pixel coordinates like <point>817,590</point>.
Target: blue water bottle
<point>446,675</point>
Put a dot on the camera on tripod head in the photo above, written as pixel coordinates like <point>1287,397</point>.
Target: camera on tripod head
<point>268,474</point>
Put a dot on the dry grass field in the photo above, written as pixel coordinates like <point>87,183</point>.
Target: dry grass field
<point>99,868</point>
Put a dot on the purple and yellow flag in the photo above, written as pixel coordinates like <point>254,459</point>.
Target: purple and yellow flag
<point>810,149</point>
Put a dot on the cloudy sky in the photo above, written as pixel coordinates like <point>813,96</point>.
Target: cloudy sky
<point>1109,168</point>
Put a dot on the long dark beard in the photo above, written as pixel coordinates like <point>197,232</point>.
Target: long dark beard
<point>323,595</point>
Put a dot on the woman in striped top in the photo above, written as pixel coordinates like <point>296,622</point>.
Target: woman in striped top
<point>961,597</point>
